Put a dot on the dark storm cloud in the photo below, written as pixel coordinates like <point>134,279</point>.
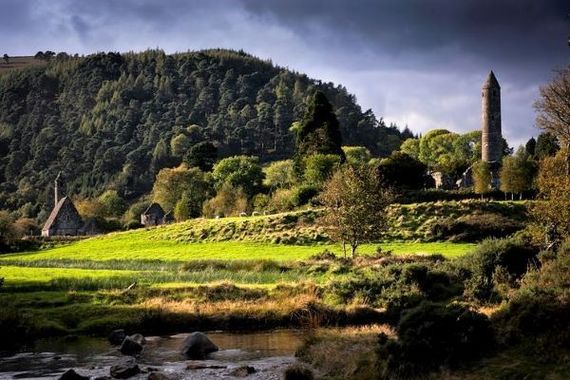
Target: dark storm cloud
<point>526,32</point>
<point>414,62</point>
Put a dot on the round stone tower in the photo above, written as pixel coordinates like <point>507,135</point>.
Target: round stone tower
<point>491,139</point>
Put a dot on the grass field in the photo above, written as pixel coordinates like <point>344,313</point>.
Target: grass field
<point>225,274</point>
<point>138,246</point>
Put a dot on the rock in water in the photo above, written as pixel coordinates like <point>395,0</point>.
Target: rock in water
<point>117,336</point>
<point>139,338</point>
<point>131,346</point>
<point>125,369</point>
<point>242,371</point>
<point>197,346</point>
<point>70,374</point>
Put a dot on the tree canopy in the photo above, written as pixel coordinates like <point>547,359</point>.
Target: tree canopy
<point>242,172</point>
<point>445,151</point>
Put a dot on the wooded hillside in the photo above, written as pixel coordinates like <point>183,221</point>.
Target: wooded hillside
<point>114,120</point>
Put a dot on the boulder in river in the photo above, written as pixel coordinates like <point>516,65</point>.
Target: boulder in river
<point>197,346</point>
<point>70,374</point>
<point>243,371</point>
<point>125,369</point>
<point>131,346</point>
<point>117,336</point>
<point>139,338</point>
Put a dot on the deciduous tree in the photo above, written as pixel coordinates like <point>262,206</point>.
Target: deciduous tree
<point>280,174</point>
<point>553,108</point>
<point>482,178</point>
<point>355,206</point>
<point>239,172</point>
<point>552,210</point>
<point>517,173</point>
<point>401,171</point>
<point>172,184</point>
<point>319,168</point>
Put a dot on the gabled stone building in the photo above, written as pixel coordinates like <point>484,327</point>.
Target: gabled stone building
<point>64,220</point>
<point>154,215</point>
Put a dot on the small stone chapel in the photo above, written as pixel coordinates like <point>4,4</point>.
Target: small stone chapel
<point>64,220</point>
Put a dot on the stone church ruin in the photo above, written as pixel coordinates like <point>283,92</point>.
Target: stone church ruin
<point>64,220</point>
<point>154,215</point>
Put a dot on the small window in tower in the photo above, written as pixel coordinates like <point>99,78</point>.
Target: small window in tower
<point>482,94</point>
<point>494,92</point>
<point>492,117</point>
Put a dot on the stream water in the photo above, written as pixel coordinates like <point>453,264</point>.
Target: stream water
<point>269,353</point>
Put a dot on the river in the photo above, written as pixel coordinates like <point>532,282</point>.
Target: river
<point>269,353</point>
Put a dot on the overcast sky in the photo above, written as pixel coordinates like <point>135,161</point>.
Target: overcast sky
<point>415,62</point>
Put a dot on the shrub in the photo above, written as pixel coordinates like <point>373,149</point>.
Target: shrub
<point>132,225</point>
<point>298,372</point>
<point>431,336</point>
<point>133,214</point>
<point>304,194</point>
<point>324,255</point>
<point>533,315</point>
<point>381,253</point>
<point>261,202</point>
<point>228,201</point>
<point>540,309</point>
<point>282,200</point>
<point>474,227</point>
<point>435,285</point>
<point>512,257</point>
<point>396,287</point>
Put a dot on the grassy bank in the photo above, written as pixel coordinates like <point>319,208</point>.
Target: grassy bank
<point>214,284</point>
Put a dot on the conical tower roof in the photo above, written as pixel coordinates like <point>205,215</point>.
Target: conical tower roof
<point>491,81</point>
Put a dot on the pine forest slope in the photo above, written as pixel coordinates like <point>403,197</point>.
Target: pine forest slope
<point>111,120</point>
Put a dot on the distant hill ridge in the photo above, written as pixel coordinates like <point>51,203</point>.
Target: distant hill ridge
<point>112,120</point>
<point>19,62</point>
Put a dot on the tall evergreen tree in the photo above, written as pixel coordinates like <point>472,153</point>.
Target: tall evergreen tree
<point>319,131</point>
<point>546,145</point>
<point>530,146</point>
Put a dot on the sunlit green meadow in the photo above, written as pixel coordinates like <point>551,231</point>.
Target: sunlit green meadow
<point>203,273</point>
<point>128,247</point>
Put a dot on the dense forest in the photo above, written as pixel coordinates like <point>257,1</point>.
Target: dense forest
<point>112,121</point>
